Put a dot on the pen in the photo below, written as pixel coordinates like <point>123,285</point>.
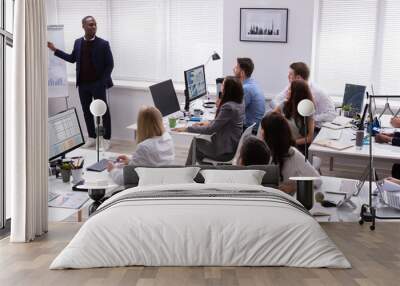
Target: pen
<point>335,193</point>
<point>337,124</point>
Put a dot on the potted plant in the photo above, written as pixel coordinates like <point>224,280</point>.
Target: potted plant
<point>66,168</point>
<point>346,110</point>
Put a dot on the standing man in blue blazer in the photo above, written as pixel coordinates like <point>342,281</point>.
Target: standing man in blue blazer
<point>94,64</point>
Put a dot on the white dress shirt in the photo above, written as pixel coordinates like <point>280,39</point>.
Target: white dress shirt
<point>295,166</point>
<point>156,151</point>
<point>324,106</point>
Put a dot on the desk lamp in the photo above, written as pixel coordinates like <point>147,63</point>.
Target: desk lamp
<point>306,108</point>
<point>215,57</point>
<point>98,108</point>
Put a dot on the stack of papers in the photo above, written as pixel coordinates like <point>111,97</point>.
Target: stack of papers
<point>69,200</point>
<point>335,134</point>
<point>333,144</point>
<point>339,122</point>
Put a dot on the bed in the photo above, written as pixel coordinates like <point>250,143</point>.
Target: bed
<point>201,225</point>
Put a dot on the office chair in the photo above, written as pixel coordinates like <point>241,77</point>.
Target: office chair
<point>233,161</point>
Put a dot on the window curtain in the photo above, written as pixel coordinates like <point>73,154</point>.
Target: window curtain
<point>26,119</point>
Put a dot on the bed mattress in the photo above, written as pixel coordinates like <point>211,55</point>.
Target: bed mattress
<point>201,225</point>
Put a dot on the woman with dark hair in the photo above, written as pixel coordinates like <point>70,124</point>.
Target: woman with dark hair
<point>275,131</point>
<point>298,91</point>
<point>254,152</point>
<point>226,129</point>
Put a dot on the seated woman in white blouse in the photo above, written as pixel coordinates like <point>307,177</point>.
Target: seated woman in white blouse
<point>276,132</point>
<point>154,145</point>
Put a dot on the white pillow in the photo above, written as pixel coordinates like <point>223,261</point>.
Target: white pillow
<point>166,176</point>
<point>247,177</point>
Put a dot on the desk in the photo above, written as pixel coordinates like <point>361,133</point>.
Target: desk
<point>346,213</point>
<point>384,154</point>
<point>57,186</point>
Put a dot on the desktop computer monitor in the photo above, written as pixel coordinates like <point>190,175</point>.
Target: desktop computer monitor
<point>354,96</point>
<point>65,133</point>
<point>164,97</point>
<point>195,83</point>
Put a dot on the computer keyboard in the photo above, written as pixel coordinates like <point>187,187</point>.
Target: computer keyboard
<point>98,166</point>
<point>52,196</point>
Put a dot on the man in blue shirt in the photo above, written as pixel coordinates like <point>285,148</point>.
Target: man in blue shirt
<point>254,99</point>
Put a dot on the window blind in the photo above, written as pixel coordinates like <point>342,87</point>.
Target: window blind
<point>151,40</point>
<point>70,14</point>
<point>346,43</point>
<point>390,66</point>
<point>138,39</point>
<point>196,32</point>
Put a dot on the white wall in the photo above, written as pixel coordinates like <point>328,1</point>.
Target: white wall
<point>271,60</point>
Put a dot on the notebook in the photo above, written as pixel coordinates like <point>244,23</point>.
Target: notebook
<point>339,122</point>
<point>333,144</point>
<point>342,121</point>
<point>333,126</point>
<point>69,200</point>
<point>335,134</point>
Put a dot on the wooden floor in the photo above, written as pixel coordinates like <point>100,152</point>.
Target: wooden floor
<point>375,257</point>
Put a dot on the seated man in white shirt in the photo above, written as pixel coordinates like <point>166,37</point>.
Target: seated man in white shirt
<point>324,106</point>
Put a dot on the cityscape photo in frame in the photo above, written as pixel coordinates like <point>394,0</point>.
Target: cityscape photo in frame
<point>264,24</point>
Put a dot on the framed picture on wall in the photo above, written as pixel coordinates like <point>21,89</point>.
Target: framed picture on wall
<point>264,24</point>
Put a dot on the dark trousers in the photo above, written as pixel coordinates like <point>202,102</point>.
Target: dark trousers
<point>87,93</point>
<point>301,148</point>
<point>205,149</point>
<point>396,171</point>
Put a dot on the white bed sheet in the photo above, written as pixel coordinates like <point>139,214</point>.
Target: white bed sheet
<point>200,232</point>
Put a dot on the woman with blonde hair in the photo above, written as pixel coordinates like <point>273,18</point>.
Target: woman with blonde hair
<point>154,144</point>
